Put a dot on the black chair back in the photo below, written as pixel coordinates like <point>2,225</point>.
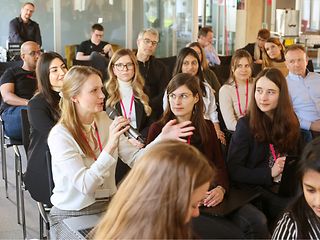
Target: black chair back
<point>25,130</point>
<point>49,169</point>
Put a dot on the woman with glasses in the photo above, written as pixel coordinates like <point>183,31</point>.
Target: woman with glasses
<point>125,91</point>
<point>188,62</point>
<point>208,74</point>
<point>235,97</point>
<point>273,55</point>
<point>43,114</point>
<point>184,103</point>
<point>262,140</point>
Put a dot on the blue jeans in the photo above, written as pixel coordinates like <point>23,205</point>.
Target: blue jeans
<point>12,121</point>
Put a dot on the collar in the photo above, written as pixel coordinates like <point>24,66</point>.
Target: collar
<point>21,21</point>
<point>297,77</point>
<point>87,127</point>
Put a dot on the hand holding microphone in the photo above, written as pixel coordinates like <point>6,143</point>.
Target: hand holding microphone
<point>131,132</point>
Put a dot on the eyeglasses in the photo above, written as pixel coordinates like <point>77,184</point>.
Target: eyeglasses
<point>121,66</point>
<point>183,96</point>
<point>148,41</point>
<point>34,53</point>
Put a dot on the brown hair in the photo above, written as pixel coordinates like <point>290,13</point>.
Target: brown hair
<point>112,85</point>
<point>204,31</point>
<point>204,61</point>
<point>295,47</point>
<point>277,42</point>
<point>264,33</point>
<point>197,119</point>
<point>72,84</point>
<point>240,53</point>
<point>284,129</point>
<point>153,200</point>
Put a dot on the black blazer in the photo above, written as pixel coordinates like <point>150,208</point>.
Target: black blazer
<point>41,121</point>
<point>250,48</point>
<point>247,159</point>
<point>143,121</point>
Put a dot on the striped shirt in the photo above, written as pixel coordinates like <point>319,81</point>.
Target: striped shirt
<point>287,229</point>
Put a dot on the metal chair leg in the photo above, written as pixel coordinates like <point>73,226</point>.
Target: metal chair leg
<point>41,226</point>
<point>19,190</point>
<point>4,161</point>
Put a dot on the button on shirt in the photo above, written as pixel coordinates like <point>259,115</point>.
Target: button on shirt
<point>305,96</point>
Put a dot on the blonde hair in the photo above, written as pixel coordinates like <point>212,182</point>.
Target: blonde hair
<point>72,84</point>
<point>154,199</point>
<point>112,85</point>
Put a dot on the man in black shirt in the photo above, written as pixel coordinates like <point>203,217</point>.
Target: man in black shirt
<point>17,86</point>
<point>95,50</point>
<point>155,73</point>
<point>22,28</point>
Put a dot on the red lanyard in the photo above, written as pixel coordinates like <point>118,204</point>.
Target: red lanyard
<point>273,152</point>
<point>130,109</point>
<point>98,138</point>
<point>238,97</point>
<point>189,140</point>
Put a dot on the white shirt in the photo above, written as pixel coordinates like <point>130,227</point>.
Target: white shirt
<point>79,180</point>
<point>126,94</point>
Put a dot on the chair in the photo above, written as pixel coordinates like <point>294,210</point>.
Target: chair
<point>43,208</point>
<point>6,142</point>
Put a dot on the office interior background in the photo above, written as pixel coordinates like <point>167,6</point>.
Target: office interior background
<point>235,22</point>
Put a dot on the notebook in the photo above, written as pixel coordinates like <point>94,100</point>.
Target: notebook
<point>235,199</point>
<point>82,225</point>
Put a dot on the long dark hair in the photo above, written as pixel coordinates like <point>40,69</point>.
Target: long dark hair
<point>300,210</point>
<point>283,130</point>
<point>184,52</point>
<point>44,85</point>
<point>197,119</point>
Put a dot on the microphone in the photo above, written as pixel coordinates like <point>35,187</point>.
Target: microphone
<point>132,132</point>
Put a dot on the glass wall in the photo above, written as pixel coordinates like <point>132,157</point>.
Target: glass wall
<point>77,17</point>
<point>172,18</point>
<point>43,15</point>
<point>221,16</point>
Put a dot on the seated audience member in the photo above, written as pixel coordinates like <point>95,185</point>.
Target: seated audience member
<point>262,140</point>
<point>235,95</point>
<point>43,114</point>
<point>205,38</point>
<point>304,90</point>
<point>184,103</point>
<point>18,85</point>
<point>22,28</point>
<point>125,93</point>
<point>208,74</point>
<point>273,55</point>
<point>160,195</point>
<point>302,220</point>
<point>125,90</point>
<point>189,62</point>
<point>256,49</point>
<point>95,49</point>
<point>85,145</point>
<point>154,72</point>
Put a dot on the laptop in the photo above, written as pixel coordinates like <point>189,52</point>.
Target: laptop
<point>235,199</point>
<point>81,226</point>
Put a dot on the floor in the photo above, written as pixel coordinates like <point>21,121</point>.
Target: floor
<point>9,228</point>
